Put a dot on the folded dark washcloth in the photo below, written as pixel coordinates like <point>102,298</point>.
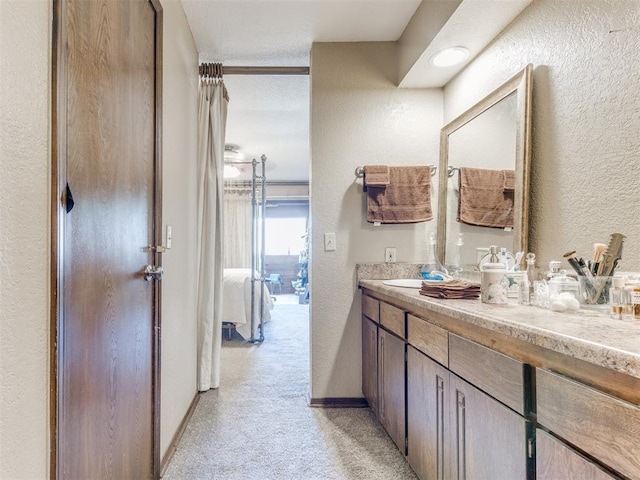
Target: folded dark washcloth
<point>407,198</point>
<point>450,289</point>
<point>376,175</point>
<point>450,295</point>
<point>450,285</point>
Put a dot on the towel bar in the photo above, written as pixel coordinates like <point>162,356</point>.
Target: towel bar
<point>360,171</point>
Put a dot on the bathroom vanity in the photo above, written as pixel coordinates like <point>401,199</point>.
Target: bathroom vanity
<point>474,391</point>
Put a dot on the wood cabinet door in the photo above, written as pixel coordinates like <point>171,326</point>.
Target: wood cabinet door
<point>391,383</point>
<point>427,418</point>
<point>556,461</point>
<point>488,440</point>
<point>370,363</point>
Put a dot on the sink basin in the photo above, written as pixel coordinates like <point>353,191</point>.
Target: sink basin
<point>404,282</point>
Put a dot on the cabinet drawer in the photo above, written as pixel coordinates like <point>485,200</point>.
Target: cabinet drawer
<point>371,308</point>
<point>603,426</point>
<point>502,377</point>
<point>392,318</point>
<point>429,339</point>
<point>555,460</point>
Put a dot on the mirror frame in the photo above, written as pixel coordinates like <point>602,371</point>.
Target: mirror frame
<point>522,85</point>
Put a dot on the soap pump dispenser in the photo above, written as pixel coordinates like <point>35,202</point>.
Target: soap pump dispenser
<point>494,284</point>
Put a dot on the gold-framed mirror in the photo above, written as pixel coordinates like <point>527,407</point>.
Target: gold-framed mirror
<point>491,142</point>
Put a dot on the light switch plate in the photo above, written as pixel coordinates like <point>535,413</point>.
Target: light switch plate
<point>329,242</point>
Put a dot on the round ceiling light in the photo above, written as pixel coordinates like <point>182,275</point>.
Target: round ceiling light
<point>231,171</point>
<point>232,153</point>
<point>450,56</point>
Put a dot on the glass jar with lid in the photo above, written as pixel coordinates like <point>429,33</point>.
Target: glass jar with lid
<point>564,293</point>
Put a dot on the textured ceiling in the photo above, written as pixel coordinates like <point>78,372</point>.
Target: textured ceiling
<point>270,114</point>
<point>280,32</point>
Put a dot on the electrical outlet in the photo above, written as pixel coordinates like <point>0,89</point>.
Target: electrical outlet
<point>390,255</point>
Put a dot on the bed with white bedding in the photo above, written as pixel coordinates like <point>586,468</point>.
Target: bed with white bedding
<point>237,302</point>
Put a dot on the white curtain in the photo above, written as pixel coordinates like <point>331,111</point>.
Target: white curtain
<point>237,228</point>
<point>212,119</point>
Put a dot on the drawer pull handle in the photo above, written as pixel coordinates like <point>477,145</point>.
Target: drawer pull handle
<point>440,428</point>
<point>461,453</point>
<point>381,377</point>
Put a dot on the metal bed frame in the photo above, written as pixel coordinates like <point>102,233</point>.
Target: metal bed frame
<point>258,205</point>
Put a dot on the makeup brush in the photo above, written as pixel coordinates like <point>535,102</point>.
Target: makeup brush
<point>598,249</point>
<point>575,264</point>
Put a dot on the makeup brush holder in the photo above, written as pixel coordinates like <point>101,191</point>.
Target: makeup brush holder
<point>594,291</point>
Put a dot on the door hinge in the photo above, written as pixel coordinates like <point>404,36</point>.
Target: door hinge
<point>530,447</point>
<point>157,249</point>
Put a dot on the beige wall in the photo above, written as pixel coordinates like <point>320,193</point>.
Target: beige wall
<point>24,237</point>
<point>179,204</point>
<point>586,119</point>
<point>24,231</point>
<point>585,152</point>
<point>358,117</point>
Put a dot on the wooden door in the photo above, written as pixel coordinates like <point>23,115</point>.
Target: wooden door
<point>370,363</point>
<point>427,416</point>
<point>488,440</point>
<point>391,383</point>
<point>106,136</point>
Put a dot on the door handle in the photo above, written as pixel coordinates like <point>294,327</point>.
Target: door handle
<point>152,272</point>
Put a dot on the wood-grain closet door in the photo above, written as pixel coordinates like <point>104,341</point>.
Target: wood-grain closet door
<point>107,314</point>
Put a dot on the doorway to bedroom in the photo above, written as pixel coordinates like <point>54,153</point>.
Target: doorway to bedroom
<point>268,114</point>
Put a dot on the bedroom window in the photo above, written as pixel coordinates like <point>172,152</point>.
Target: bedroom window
<point>285,236</point>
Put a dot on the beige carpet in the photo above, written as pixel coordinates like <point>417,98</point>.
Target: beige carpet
<point>257,425</point>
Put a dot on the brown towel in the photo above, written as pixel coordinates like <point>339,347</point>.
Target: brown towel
<point>509,180</point>
<point>376,176</point>
<point>450,289</point>
<point>483,200</point>
<point>407,198</point>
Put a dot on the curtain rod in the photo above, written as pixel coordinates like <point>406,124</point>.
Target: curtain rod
<point>217,69</point>
<point>265,70</point>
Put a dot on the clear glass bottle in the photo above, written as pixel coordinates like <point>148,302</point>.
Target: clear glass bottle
<point>531,267</point>
<point>554,269</point>
<point>432,269</point>
<point>524,291</point>
<point>455,265</point>
<point>635,299</point>
<point>530,275</point>
<point>620,300</point>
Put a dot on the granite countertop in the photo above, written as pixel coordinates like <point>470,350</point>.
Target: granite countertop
<point>587,335</point>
